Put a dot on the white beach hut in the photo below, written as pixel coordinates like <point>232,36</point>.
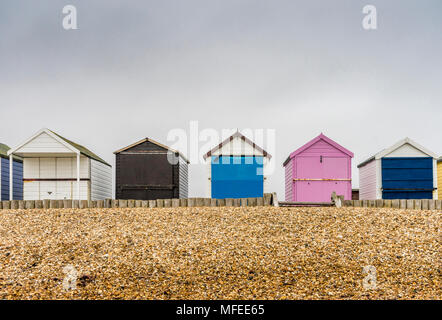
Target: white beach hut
<point>56,168</point>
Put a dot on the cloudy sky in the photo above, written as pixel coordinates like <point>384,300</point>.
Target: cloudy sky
<point>141,68</point>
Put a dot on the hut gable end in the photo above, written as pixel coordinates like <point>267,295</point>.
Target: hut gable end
<point>406,150</point>
<point>145,146</point>
<point>321,147</point>
<point>43,142</point>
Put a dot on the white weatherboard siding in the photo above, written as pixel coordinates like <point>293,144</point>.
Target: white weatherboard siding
<point>184,179</point>
<point>101,181</point>
<point>406,150</point>
<point>50,169</point>
<point>56,169</point>
<point>209,175</point>
<point>367,181</point>
<point>43,143</point>
<point>289,181</point>
<point>237,147</point>
<point>267,174</point>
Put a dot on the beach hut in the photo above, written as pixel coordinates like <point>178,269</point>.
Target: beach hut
<point>17,167</point>
<point>405,170</point>
<point>236,169</point>
<point>439,178</point>
<point>56,168</point>
<point>149,170</point>
<point>315,170</point>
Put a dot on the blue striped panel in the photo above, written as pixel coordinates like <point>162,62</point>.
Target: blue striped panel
<point>407,178</point>
<point>18,179</point>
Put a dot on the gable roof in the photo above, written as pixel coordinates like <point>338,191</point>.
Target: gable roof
<point>83,150</point>
<point>4,150</point>
<point>154,142</point>
<point>397,145</point>
<point>4,153</point>
<point>313,141</point>
<point>237,134</point>
<point>75,147</point>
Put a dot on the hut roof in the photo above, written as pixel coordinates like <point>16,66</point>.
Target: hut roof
<point>4,150</point>
<point>83,150</point>
<point>154,142</point>
<point>312,142</point>
<point>4,153</point>
<point>387,151</point>
<point>244,138</point>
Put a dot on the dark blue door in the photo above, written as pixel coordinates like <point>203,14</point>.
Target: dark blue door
<point>237,177</point>
<point>407,178</point>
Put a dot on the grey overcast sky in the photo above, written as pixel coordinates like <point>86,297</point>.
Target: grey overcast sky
<point>140,68</point>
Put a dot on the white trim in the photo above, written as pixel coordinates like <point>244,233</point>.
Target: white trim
<point>11,177</point>
<point>78,176</point>
<point>378,179</point>
<point>51,134</point>
<point>435,191</point>
<point>399,144</point>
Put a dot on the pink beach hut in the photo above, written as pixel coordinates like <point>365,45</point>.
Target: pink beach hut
<point>315,170</point>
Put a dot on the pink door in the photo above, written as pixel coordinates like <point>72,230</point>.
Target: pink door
<point>308,168</point>
<point>308,191</point>
<point>325,174</point>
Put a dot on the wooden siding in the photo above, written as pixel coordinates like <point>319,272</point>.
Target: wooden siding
<point>406,150</point>
<point>321,148</point>
<point>183,179</point>
<point>4,180</point>
<point>101,181</point>
<point>439,180</point>
<point>43,143</point>
<point>237,147</point>
<point>55,178</point>
<point>319,167</point>
<point>144,172</point>
<point>208,169</point>
<point>289,181</point>
<point>367,181</point>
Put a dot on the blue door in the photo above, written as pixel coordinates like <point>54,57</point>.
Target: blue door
<point>407,178</point>
<point>237,177</point>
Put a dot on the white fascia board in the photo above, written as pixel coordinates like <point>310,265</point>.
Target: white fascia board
<point>47,131</point>
<point>399,144</point>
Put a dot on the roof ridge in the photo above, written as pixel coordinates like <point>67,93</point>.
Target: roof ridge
<point>230,138</point>
<point>83,150</point>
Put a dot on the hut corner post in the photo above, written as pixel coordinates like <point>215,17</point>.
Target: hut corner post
<point>78,176</point>
<point>11,178</point>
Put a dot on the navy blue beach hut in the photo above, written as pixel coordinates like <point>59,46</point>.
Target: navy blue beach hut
<point>17,166</point>
<point>406,170</point>
<point>237,169</point>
